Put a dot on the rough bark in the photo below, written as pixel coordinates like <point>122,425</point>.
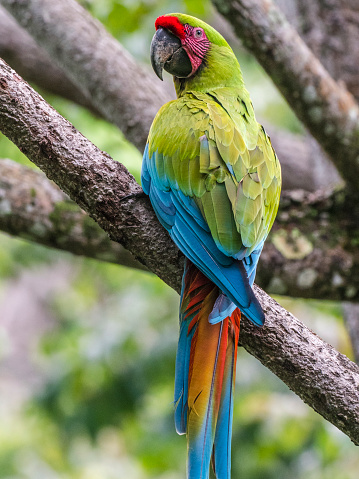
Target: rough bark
<point>35,209</point>
<point>330,28</point>
<point>303,258</point>
<point>327,109</point>
<point>299,155</point>
<point>312,369</point>
<point>312,250</point>
<point>324,378</point>
<point>32,62</point>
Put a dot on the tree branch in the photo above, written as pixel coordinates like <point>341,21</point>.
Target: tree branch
<point>127,97</point>
<point>312,250</point>
<point>22,53</point>
<point>309,366</point>
<point>300,154</point>
<point>322,377</point>
<point>35,209</point>
<point>103,188</point>
<point>326,108</point>
<point>330,29</point>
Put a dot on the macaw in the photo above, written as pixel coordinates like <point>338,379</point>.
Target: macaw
<point>214,182</point>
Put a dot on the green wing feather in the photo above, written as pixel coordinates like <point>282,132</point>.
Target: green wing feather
<point>210,146</point>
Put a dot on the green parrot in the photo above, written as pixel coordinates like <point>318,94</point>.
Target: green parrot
<point>214,182</point>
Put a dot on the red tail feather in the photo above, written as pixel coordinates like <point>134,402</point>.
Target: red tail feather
<point>211,371</point>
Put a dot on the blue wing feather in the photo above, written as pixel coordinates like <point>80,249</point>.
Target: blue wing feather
<point>223,308</point>
<point>188,229</point>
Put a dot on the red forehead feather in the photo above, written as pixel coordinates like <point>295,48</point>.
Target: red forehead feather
<point>172,24</point>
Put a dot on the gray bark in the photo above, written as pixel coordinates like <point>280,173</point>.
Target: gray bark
<point>128,97</point>
<point>321,376</point>
<point>306,266</point>
<point>100,187</point>
<point>24,55</point>
<point>305,166</point>
<point>35,209</point>
<point>330,28</point>
<point>308,366</point>
<point>312,250</point>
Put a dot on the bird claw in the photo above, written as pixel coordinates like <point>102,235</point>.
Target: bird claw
<point>138,194</point>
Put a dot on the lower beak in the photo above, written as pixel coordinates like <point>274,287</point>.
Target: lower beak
<point>168,54</point>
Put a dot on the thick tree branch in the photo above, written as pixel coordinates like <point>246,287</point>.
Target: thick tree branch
<point>310,367</point>
<point>298,157</point>
<point>331,31</point>
<point>128,97</point>
<point>326,108</point>
<point>312,250</point>
<point>324,378</point>
<point>32,62</point>
<point>35,209</point>
<point>299,273</point>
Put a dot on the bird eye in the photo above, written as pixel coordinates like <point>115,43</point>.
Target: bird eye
<point>198,33</point>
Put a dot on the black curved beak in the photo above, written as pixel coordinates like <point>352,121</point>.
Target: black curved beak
<point>167,54</point>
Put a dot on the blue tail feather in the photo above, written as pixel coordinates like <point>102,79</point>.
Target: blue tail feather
<point>208,421</point>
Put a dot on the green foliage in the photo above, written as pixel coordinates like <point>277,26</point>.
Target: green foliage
<point>131,21</point>
<point>104,135</point>
<point>268,103</point>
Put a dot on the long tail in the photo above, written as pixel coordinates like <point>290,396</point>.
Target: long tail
<point>205,372</point>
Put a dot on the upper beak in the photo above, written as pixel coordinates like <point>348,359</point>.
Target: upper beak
<point>167,53</point>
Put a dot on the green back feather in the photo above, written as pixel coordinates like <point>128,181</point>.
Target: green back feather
<point>208,144</point>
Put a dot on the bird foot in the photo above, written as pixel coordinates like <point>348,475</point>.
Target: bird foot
<point>138,194</point>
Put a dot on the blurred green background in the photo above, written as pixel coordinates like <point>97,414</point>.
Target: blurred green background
<point>88,349</point>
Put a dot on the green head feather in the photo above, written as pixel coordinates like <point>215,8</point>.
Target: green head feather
<point>220,67</point>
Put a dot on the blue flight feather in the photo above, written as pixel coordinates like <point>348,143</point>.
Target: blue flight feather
<point>193,238</point>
